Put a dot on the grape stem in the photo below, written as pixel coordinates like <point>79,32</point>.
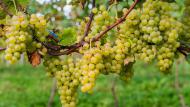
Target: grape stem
<point>89,22</point>
<point>100,35</point>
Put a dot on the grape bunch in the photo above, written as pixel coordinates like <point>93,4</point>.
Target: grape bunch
<point>104,59</point>
<point>154,33</point>
<point>20,32</point>
<point>16,37</point>
<point>90,67</point>
<point>68,82</point>
<point>150,19</point>
<point>171,30</point>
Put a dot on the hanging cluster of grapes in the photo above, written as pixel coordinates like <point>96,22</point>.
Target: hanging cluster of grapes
<point>19,35</point>
<point>68,82</point>
<point>154,33</point>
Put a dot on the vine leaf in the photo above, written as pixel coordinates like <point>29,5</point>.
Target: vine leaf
<point>180,2</point>
<point>34,58</point>
<point>68,36</point>
<point>23,3</point>
<point>7,6</point>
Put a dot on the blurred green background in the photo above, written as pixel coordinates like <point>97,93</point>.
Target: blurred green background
<point>25,86</point>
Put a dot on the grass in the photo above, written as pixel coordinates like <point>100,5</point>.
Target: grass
<point>24,86</point>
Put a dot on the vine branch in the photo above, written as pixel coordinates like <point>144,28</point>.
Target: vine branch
<point>100,35</point>
<point>91,16</point>
<point>2,49</point>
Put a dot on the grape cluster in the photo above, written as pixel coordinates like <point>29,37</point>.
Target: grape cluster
<point>20,32</point>
<point>68,82</point>
<point>17,37</point>
<point>153,33</point>
<point>171,30</point>
<point>150,19</point>
<point>91,65</point>
<point>107,58</point>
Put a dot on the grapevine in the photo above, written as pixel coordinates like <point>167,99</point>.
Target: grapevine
<point>105,44</point>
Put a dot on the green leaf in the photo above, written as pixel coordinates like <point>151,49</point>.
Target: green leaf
<point>23,2</point>
<point>68,36</point>
<point>2,14</point>
<point>180,2</point>
<point>31,10</point>
<point>3,21</point>
<point>130,2</point>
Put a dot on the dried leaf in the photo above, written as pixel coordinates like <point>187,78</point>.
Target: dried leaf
<point>35,58</point>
